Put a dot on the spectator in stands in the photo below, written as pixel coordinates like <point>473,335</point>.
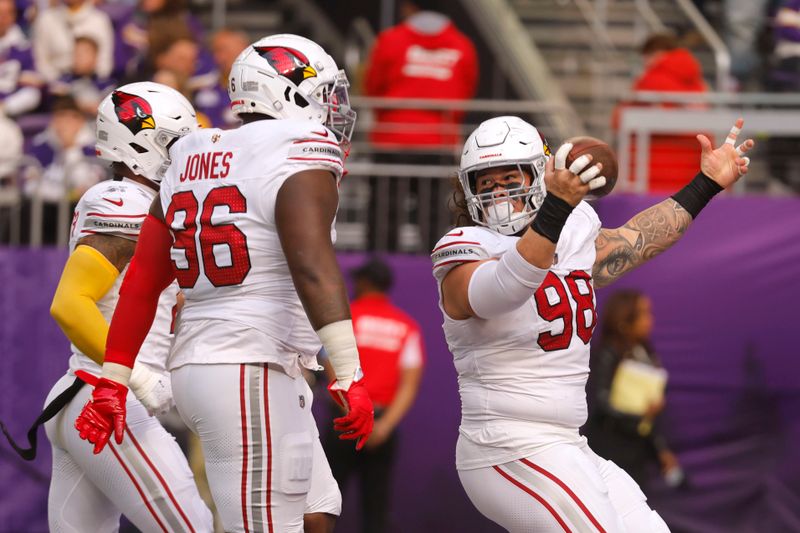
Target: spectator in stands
<point>668,68</point>
<point>784,77</point>
<point>176,65</point>
<point>20,84</point>
<point>633,441</point>
<point>65,151</point>
<point>392,355</point>
<point>425,56</point>
<point>55,30</point>
<point>153,26</point>
<point>82,82</point>
<point>212,100</point>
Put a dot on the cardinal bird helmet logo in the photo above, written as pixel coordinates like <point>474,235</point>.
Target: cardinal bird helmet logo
<point>288,62</point>
<point>133,111</point>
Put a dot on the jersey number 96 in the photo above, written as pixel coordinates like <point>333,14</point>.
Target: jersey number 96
<point>210,235</point>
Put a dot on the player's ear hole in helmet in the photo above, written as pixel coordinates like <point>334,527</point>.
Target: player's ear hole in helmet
<point>138,123</point>
<point>508,149</point>
<point>288,76</point>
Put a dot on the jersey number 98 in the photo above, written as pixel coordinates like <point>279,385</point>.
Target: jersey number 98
<point>210,235</point>
<point>578,284</point>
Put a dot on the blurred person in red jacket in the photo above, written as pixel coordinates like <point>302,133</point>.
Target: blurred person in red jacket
<point>668,68</point>
<point>392,356</point>
<point>425,56</point>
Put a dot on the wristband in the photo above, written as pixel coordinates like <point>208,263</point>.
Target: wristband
<point>116,372</point>
<point>551,217</point>
<point>697,194</point>
<point>340,344</point>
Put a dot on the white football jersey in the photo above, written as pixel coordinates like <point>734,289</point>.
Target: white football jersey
<point>524,372</point>
<point>119,208</point>
<point>219,199</point>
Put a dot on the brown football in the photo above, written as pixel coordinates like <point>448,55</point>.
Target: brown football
<point>601,153</point>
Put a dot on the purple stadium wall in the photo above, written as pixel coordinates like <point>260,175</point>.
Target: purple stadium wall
<point>726,305</point>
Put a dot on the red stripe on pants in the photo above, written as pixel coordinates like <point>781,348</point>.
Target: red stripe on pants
<point>564,486</point>
<point>160,478</point>
<point>536,497</point>
<point>243,408</point>
<point>138,488</point>
<point>269,449</point>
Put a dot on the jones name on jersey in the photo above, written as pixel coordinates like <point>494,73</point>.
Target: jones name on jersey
<point>219,199</point>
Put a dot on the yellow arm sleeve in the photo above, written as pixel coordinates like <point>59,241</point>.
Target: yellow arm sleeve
<point>86,278</point>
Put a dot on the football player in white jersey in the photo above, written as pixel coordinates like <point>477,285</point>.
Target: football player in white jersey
<point>517,297</point>
<point>147,477</point>
<point>245,220</point>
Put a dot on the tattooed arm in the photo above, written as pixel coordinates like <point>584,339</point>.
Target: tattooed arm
<point>641,238</point>
<point>655,229</point>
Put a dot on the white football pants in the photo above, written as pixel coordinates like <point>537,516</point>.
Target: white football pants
<point>264,461</point>
<point>146,478</point>
<point>564,488</point>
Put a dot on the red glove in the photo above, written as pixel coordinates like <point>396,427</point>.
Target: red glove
<point>104,412</point>
<point>357,423</point>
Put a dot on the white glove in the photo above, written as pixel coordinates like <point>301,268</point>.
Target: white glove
<point>152,388</point>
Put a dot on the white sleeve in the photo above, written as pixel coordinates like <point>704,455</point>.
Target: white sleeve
<point>499,287</point>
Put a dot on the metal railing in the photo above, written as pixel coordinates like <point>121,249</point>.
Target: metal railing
<point>767,117</point>
<point>540,113</point>
<point>26,205</point>
<point>396,197</point>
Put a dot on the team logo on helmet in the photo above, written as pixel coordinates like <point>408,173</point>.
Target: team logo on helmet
<point>133,111</point>
<point>545,146</point>
<point>288,62</point>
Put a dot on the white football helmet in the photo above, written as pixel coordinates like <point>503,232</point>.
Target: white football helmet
<point>138,122</point>
<point>500,142</point>
<point>288,76</point>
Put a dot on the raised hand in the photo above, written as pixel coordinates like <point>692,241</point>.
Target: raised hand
<point>728,163</point>
<point>103,413</point>
<point>573,183</point>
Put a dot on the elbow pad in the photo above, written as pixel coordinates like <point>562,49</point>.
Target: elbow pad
<point>499,287</point>
<point>149,273</point>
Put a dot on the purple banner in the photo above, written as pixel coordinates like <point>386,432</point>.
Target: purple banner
<point>725,300</point>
